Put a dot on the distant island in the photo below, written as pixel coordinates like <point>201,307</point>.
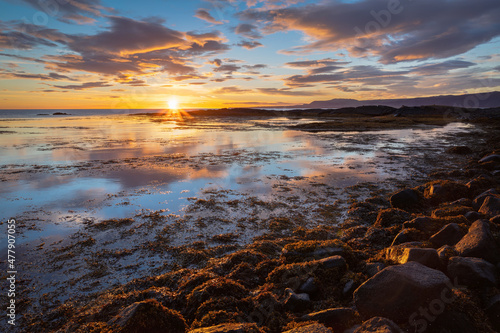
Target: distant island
<point>483,100</point>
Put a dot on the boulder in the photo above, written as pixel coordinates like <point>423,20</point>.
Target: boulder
<point>333,262</point>
<point>339,319</point>
<point>478,200</point>
<point>378,325</point>
<point>443,191</point>
<point>479,242</point>
<point>490,206</point>
<point>296,302</point>
<point>398,291</point>
<point>148,316</point>
<point>480,184</point>
<point>408,235</point>
<point>312,328</point>
<point>373,268</point>
<point>450,234</point>
<point>402,255</point>
<point>450,211</point>
<point>309,286</point>
<point>472,272</point>
<point>227,328</point>
<point>472,216</point>
<point>391,216</point>
<point>313,249</point>
<point>407,199</point>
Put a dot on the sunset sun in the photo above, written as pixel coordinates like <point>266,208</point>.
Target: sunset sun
<point>173,103</point>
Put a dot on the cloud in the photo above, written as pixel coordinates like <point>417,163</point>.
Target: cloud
<point>128,36</point>
<point>415,30</point>
<point>231,90</point>
<point>203,14</point>
<point>441,68</point>
<point>249,44</point>
<point>227,68</point>
<point>83,86</point>
<point>248,30</point>
<point>79,11</point>
<point>287,92</point>
<point>22,75</point>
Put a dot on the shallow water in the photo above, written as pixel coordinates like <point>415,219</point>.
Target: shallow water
<point>115,166</point>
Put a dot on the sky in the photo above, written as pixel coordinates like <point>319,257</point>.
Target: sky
<point>120,54</point>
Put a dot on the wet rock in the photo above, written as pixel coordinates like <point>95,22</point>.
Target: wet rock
<point>333,262</point>
<point>148,316</point>
<point>493,311</point>
<point>472,216</point>
<point>228,328</point>
<point>472,272</point>
<point>478,200</point>
<point>407,199</point>
<point>391,216</point>
<point>402,255</point>
<point>339,319</point>
<point>490,158</point>
<point>450,234</point>
<point>296,302</point>
<point>377,237</point>
<point>312,328</point>
<point>490,206</point>
<point>398,291</point>
<point>310,286</point>
<point>378,325</point>
<point>373,268</point>
<point>479,242</point>
<point>408,235</point>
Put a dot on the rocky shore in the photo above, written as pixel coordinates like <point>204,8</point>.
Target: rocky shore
<point>423,259</point>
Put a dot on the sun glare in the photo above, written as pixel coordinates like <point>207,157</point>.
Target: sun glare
<point>173,103</point>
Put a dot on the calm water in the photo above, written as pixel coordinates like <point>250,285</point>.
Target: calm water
<point>63,170</point>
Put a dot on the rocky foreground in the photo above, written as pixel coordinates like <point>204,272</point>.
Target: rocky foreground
<point>425,259</point>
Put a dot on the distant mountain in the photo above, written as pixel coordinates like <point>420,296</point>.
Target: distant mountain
<point>484,100</point>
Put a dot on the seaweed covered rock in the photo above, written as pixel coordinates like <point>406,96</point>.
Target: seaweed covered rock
<point>472,272</point>
<point>378,325</point>
<point>408,199</point>
<point>296,302</point>
<point>430,226</point>
<point>312,249</point>
<point>402,254</point>
<point>229,328</point>
<point>391,216</point>
<point>478,200</point>
<point>398,291</point>
<point>214,288</point>
<point>339,319</point>
<point>440,191</point>
<point>490,206</point>
<point>148,316</point>
<point>479,242</point>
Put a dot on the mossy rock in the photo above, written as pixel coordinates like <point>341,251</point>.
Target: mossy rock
<point>313,249</point>
<point>440,191</point>
<point>391,216</point>
<point>450,211</point>
<point>148,316</point>
<point>224,303</point>
<point>217,287</point>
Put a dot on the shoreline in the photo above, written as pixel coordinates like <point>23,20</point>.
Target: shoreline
<point>268,277</point>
